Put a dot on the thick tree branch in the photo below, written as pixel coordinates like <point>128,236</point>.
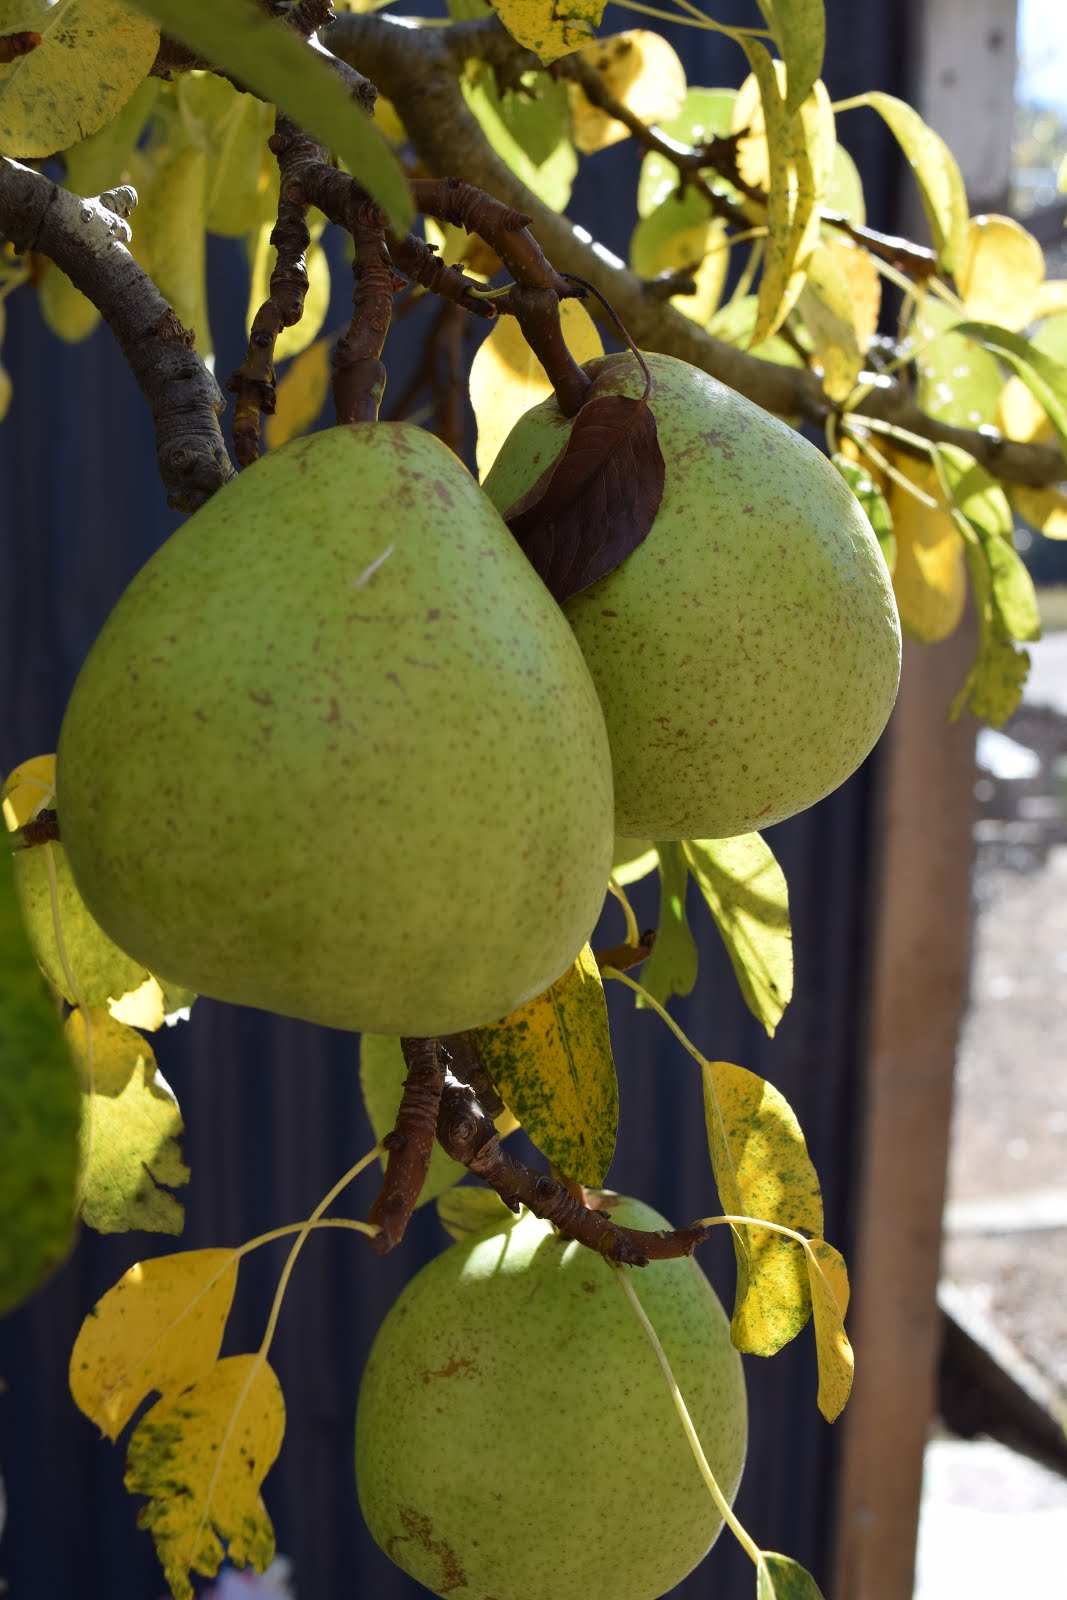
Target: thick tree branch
<point>87,240</point>
<point>417,71</point>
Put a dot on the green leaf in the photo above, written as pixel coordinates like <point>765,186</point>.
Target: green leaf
<point>382,1071</point>
<point>828,1280</point>
<point>672,967</point>
<point>705,114</point>
<point>551,1061</point>
<point>874,504</point>
<point>782,1578</point>
<point>130,1129</point>
<point>634,859</point>
<point>531,135</point>
<point>844,188</point>
<point>959,381</point>
<point>76,955</point>
<point>762,1169</point>
<point>735,323</point>
<point>799,30</point>
<point>983,515</point>
<point>550,28</point>
<point>747,895</point>
<point>40,1112</point>
<point>468,1209</point>
<point>92,56</point>
<point>261,51</point>
<point>941,186</point>
<point>1044,376</point>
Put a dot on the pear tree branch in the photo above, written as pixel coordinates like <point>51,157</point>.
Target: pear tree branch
<point>87,239</point>
<point>418,71</point>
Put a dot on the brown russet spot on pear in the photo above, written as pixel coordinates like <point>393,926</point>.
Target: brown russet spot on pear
<point>545,1387</point>
<point>340,758</point>
<point>747,653</point>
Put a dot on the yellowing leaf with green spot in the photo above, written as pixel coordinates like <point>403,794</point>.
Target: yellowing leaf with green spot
<point>640,70</point>
<point>102,161</point>
<point>466,1210</point>
<point>828,1279</point>
<point>782,1578</point>
<point>929,575</point>
<point>130,1129</point>
<point>550,28</point>
<point>301,395</point>
<point>92,56</point>
<point>40,1113</point>
<point>799,30</point>
<point>551,1062</point>
<point>276,64</point>
<point>937,174</point>
<point>672,967</point>
<point>1000,272</point>
<point>506,378</point>
<point>747,894</point>
<point>156,1331</point>
<point>762,1169</point>
<point>201,1456</point>
<point>839,304</point>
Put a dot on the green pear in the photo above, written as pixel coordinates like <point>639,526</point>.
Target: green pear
<point>747,653</point>
<point>336,753</point>
<point>514,1433</point>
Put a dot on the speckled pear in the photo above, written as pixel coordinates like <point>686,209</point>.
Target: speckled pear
<point>747,653</point>
<point>515,1436</point>
<point>336,753</point>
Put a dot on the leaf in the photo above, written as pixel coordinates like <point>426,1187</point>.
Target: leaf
<point>101,161</point>
<point>640,70</point>
<point>941,186</point>
<point>530,131</point>
<point>66,311</point>
<point>279,67</point>
<point>762,1169</point>
<point>301,395</point>
<point>1000,272</point>
<point>959,381</point>
<point>5,379</point>
<point>232,129</point>
<point>550,28</point>
<point>92,56</point>
<point>844,188</point>
<point>292,341</point>
<point>828,1279</point>
<point>201,1456</point>
<point>597,501</point>
<point>131,1129</point>
<point>40,1112</point>
<point>672,967</point>
<point>551,1061</point>
<point>1045,509</point>
<point>169,230</point>
<point>983,515</point>
<point>466,1210</point>
<point>929,576</point>
<point>704,115</point>
<point>633,859</point>
<point>799,31</point>
<point>1044,376</point>
<point>156,1331</point>
<point>874,504</point>
<point>506,378</point>
<point>382,1071</point>
<point>839,303</point>
<point>782,1578</point>
<point>747,895</point>
<point>682,236</point>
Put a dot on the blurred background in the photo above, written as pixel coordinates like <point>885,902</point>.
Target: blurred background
<point>923,1051</point>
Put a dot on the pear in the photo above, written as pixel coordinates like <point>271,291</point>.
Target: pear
<point>335,752</point>
<point>514,1434</point>
<point>747,653</point>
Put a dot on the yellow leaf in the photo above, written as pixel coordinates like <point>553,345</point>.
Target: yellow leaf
<point>940,181</point>
<point>170,231</point>
<point>158,1330</point>
<point>1021,416</point>
<point>30,788</point>
<point>201,1456</point>
<point>828,1280</point>
<point>92,56</point>
<point>233,129</point>
<point>762,1169</point>
<point>1051,298</point>
<point>550,28</point>
<point>639,69</point>
<point>143,1007</point>
<point>1043,508</point>
<point>1000,272</point>
<point>130,1129</point>
<point>65,310</point>
<point>506,377</point>
<point>551,1061</point>
<point>468,1210</point>
<point>930,575</point>
<point>746,893</point>
<point>291,341</point>
<point>839,304</point>
<point>301,395</point>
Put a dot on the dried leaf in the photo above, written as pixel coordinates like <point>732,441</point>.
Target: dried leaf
<point>201,1456</point>
<point>597,501</point>
<point>828,1280</point>
<point>551,1061</point>
<point>158,1330</point>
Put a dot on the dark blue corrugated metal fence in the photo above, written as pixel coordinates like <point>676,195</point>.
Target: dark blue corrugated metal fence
<point>272,1107</point>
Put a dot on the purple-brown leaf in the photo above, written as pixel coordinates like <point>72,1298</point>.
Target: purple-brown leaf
<point>597,501</point>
